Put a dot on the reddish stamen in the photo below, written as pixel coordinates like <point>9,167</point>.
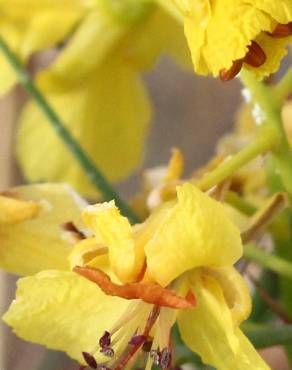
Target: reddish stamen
<point>282,30</point>
<point>228,74</point>
<point>90,360</point>
<point>105,340</point>
<point>165,359</point>
<point>69,226</point>
<point>255,56</point>
<point>128,355</point>
<point>137,340</point>
<point>148,292</point>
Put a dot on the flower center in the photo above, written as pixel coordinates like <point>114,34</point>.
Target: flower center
<point>255,55</point>
<point>138,330</point>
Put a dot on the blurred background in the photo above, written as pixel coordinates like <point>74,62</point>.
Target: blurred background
<point>190,113</point>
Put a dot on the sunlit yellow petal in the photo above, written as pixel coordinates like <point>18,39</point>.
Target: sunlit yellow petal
<point>108,113</point>
<point>196,231</point>
<point>126,257</point>
<point>208,329</point>
<point>62,311</point>
<point>219,37</point>
<point>41,243</point>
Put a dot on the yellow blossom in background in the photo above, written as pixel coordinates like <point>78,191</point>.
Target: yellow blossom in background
<point>226,35</point>
<point>188,245</point>
<point>27,28</point>
<point>94,84</point>
<point>33,234</point>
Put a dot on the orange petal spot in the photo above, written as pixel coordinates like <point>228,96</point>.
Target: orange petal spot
<point>255,56</point>
<point>229,74</point>
<point>282,30</point>
<point>148,292</point>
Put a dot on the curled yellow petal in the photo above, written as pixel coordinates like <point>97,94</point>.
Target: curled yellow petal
<point>126,257</point>
<point>194,231</point>
<point>209,330</point>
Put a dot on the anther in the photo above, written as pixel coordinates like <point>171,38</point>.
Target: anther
<point>107,351</point>
<point>255,56</point>
<point>90,360</point>
<point>137,340</point>
<point>102,367</point>
<point>165,359</point>
<point>154,354</point>
<point>105,340</point>
<point>228,74</point>
<point>282,30</point>
<point>147,346</point>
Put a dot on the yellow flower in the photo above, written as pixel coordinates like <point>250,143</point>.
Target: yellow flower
<point>227,34</point>
<point>94,84</point>
<point>33,221</point>
<point>177,265</point>
<point>27,27</point>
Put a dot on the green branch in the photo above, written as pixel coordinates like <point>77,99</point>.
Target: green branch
<point>267,139</point>
<point>271,110</point>
<point>268,261</point>
<point>94,174</point>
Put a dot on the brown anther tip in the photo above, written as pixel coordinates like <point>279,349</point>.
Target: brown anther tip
<point>90,360</point>
<point>282,30</point>
<point>229,74</point>
<point>255,56</point>
<point>69,226</point>
<point>105,340</point>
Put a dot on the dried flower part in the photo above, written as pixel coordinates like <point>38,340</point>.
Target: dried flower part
<point>150,293</point>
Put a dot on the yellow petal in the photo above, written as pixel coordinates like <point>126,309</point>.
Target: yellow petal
<point>46,29</point>
<point>195,231</point>
<point>15,210</point>
<point>208,330</point>
<point>220,37</point>
<point>62,311</point>
<point>235,291</point>
<point>39,243</point>
<point>108,114</point>
<point>281,10</point>
<point>160,34</point>
<point>92,43</point>
<point>126,257</point>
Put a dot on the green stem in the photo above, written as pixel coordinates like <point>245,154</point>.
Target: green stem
<point>264,97</point>
<point>266,140</point>
<point>240,203</point>
<point>269,261</point>
<point>283,88</point>
<point>94,174</point>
